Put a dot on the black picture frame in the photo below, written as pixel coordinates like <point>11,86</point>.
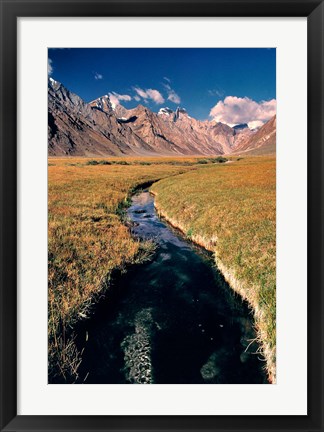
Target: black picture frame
<point>10,11</point>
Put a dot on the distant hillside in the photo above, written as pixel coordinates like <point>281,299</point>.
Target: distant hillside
<point>262,142</point>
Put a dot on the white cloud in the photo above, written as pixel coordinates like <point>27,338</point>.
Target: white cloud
<point>155,95</point>
<point>216,92</point>
<point>115,98</point>
<point>98,76</point>
<point>234,110</point>
<point>152,94</point>
<point>137,98</point>
<point>141,93</point>
<point>49,66</point>
<point>172,95</point>
<point>167,79</point>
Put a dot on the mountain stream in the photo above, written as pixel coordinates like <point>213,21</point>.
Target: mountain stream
<point>173,320</point>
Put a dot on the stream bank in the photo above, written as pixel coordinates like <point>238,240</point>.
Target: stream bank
<point>237,286</point>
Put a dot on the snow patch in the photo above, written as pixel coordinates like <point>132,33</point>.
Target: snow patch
<point>165,111</point>
<point>53,82</point>
<point>99,103</point>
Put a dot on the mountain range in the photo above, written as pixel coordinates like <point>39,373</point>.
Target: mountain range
<point>100,128</point>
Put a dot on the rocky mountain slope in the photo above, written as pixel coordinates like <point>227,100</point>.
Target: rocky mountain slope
<point>98,128</point>
<point>77,129</point>
<point>262,141</point>
<point>176,132</point>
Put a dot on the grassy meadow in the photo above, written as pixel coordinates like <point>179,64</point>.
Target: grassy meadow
<point>230,209</point>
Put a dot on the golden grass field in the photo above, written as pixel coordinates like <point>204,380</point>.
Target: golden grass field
<point>228,208</point>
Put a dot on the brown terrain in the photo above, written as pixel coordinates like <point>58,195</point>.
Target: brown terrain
<point>77,128</point>
<point>262,141</point>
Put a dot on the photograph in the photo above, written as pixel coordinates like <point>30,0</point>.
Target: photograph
<point>156,226</point>
<point>161,215</point>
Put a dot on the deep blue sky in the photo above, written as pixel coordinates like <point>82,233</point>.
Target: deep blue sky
<point>200,77</point>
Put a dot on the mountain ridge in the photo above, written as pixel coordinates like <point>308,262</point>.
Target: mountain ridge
<point>100,128</point>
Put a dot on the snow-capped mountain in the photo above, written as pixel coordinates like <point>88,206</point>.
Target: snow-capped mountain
<point>80,129</point>
<point>103,103</point>
<point>100,128</point>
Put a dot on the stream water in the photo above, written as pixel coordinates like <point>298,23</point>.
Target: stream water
<point>172,320</point>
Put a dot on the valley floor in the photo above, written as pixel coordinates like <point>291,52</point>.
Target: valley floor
<point>228,208</point>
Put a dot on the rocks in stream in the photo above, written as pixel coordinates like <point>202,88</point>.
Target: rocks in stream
<point>210,369</point>
<point>137,350</point>
<point>131,224</point>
